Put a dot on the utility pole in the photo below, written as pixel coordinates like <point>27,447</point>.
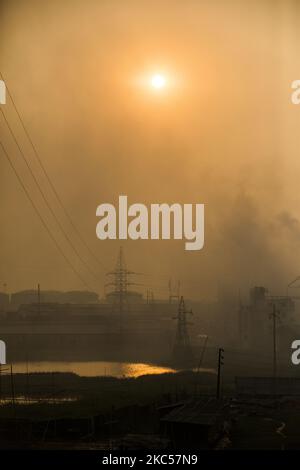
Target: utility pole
<point>200,364</point>
<point>202,353</point>
<point>39,300</point>
<point>12,391</point>
<point>13,399</point>
<point>274,317</point>
<point>150,297</point>
<point>220,363</point>
<point>2,370</point>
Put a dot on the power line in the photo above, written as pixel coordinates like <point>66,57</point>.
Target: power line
<point>40,216</point>
<point>45,198</point>
<point>51,184</point>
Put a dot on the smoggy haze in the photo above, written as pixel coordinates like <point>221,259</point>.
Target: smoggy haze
<point>224,134</point>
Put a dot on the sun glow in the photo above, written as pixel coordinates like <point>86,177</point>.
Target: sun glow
<point>158,81</point>
<point>156,84</point>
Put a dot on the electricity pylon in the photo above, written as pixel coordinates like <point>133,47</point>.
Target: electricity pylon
<point>120,283</point>
<point>182,351</point>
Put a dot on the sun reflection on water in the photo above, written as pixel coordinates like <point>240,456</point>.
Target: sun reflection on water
<point>93,369</point>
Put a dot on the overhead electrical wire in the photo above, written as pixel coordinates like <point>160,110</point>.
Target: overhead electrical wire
<point>44,196</point>
<point>41,217</point>
<point>50,182</point>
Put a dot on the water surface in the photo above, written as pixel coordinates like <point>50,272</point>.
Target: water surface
<point>93,369</point>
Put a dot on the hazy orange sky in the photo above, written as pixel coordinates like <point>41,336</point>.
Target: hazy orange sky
<point>224,134</point>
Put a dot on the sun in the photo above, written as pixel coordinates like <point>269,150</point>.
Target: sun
<point>158,81</point>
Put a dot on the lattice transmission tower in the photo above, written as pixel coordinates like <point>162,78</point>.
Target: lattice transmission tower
<point>182,351</point>
<point>120,283</point>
